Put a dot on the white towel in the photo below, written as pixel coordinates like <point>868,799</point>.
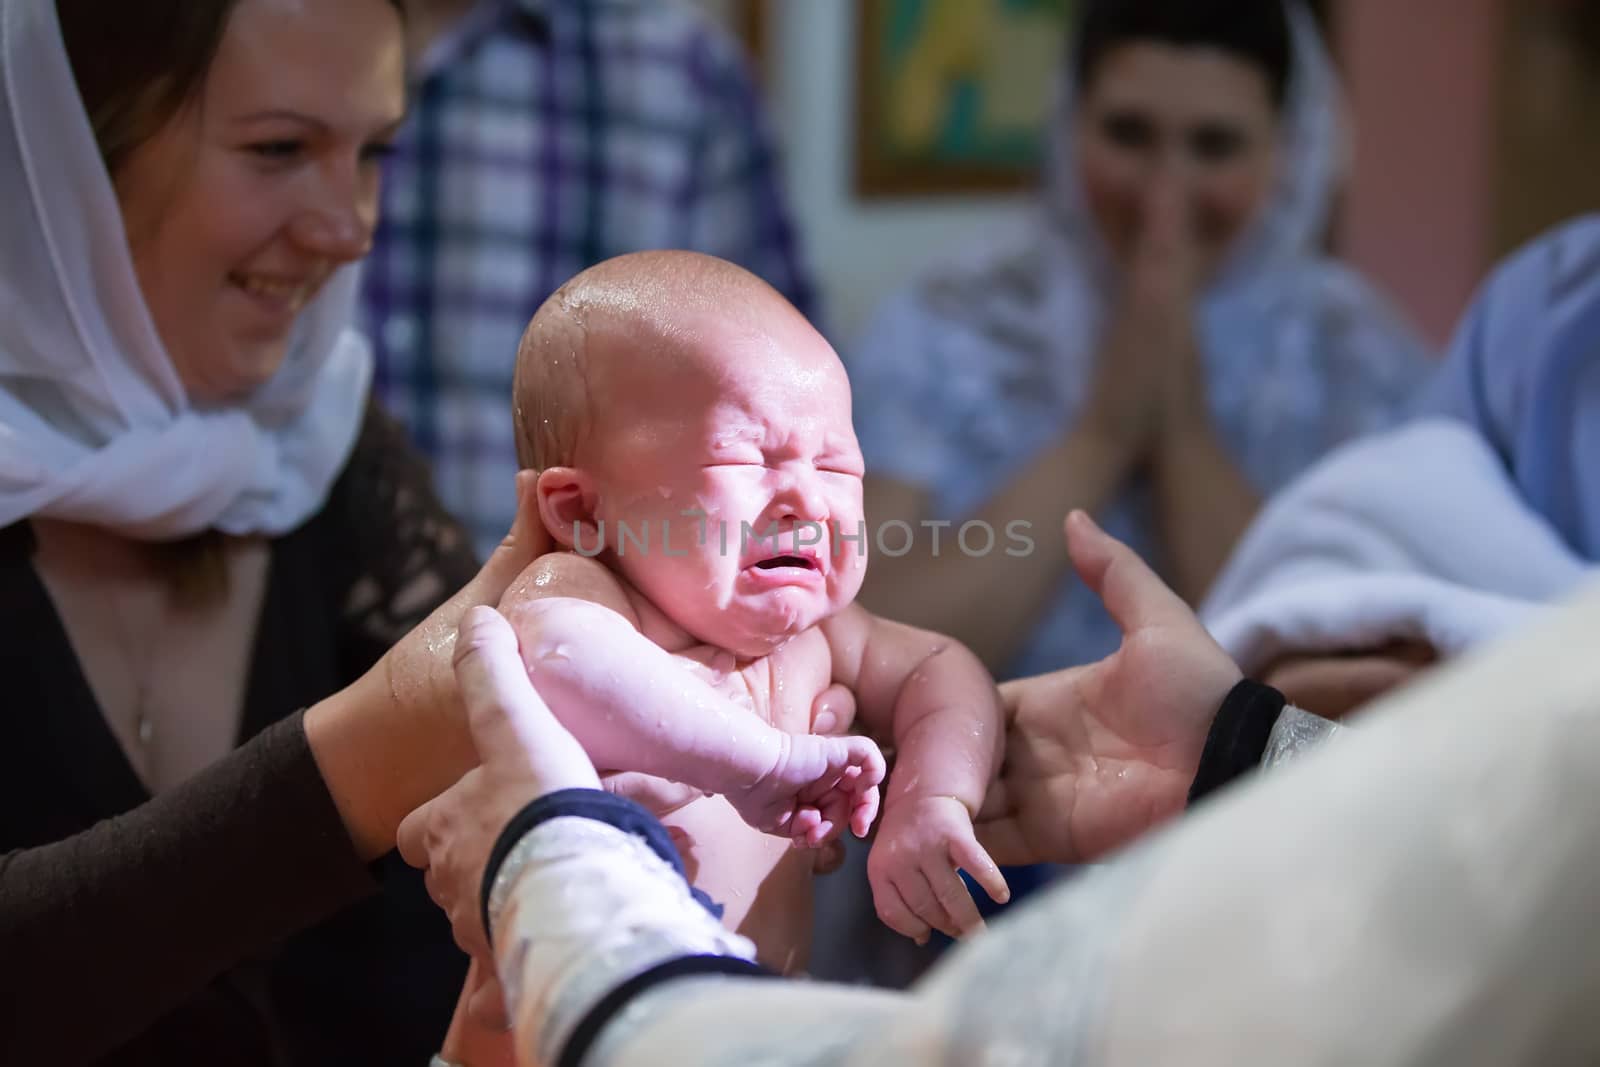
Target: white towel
<point>1417,533</point>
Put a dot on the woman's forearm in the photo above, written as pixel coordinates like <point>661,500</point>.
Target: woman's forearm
<point>1204,504</point>
<point>211,872</point>
<point>990,599</point>
<point>398,736</point>
<point>385,748</point>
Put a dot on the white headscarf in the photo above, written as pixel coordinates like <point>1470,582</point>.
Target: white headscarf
<point>95,426</point>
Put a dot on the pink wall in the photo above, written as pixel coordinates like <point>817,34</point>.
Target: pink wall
<point>1418,213</point>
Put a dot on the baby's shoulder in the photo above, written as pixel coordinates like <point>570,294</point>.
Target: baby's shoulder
<point>570,575</point>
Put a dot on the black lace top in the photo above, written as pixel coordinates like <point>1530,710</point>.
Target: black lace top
<point>142,931</point>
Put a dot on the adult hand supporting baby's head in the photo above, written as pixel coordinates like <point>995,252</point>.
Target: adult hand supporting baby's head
<point>423,665</point>
<point>525,753</point>
<point>405,714</point>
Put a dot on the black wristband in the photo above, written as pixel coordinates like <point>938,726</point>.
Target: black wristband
<point>595,804</point>
<point>1238,736</point>
<point>589,1029</point>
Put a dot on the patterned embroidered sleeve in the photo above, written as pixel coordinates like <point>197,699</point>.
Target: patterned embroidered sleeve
<point>404,554</point>
<point>561,954</point>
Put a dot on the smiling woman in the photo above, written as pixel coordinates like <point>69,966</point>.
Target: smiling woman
<point>238,211</point>
<point>184,187</point>
<point>1165,344</point>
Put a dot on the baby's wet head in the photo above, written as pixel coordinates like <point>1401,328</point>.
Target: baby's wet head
<point>631,331</point>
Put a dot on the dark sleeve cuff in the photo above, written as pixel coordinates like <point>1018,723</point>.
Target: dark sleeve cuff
<point>583,1037</point>
<point>594,804</point>
<point>1238,736</point>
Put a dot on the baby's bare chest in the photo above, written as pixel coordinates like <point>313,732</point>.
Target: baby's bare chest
<point>780,688</point>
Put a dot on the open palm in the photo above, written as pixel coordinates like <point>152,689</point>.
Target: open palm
<point>1096,755</point>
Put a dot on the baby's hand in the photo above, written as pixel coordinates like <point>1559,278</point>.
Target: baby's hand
<point>818,785</point>
<point>912,869</point>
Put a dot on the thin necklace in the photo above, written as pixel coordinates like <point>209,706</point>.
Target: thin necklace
<point>139,660</point>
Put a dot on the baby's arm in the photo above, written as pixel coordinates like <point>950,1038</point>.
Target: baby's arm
<point>634,707</point>
<point>944,712</point>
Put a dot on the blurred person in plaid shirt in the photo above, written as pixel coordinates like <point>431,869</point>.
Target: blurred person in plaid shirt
<point>545,136</point>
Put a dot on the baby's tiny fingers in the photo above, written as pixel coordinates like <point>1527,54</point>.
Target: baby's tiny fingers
<point>970,857</point>
<point>899,917</point>
<point>864,811</point>
<point>920,896</point>
<point>873,767</point>
<point>954,900</point>
<point>835,809</point>
<point>802,822</point>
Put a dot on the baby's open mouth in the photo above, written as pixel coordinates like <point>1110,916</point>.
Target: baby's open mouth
<point>787,561</point>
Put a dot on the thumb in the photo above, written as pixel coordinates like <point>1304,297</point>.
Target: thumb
<point>1132,593</point>
<point>491,678</point>
<point>513,729</point>
<point>834,708</point>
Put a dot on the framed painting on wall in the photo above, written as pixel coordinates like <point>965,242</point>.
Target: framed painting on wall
<point>954,96</point>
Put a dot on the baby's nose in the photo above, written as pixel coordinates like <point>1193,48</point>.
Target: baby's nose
<point>801,497</point>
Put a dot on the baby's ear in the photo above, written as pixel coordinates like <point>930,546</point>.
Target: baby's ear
<point>565,498</point>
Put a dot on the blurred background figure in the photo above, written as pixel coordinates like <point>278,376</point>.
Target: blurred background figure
<point>1163,343</point>
<point>1167,343</point>
<point>545,136</point>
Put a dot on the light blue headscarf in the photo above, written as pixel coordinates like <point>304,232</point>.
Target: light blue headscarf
<point>966,375</point>
<point>1525,371</point>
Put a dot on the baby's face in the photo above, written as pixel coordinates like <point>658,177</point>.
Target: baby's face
<point>737,458</point>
